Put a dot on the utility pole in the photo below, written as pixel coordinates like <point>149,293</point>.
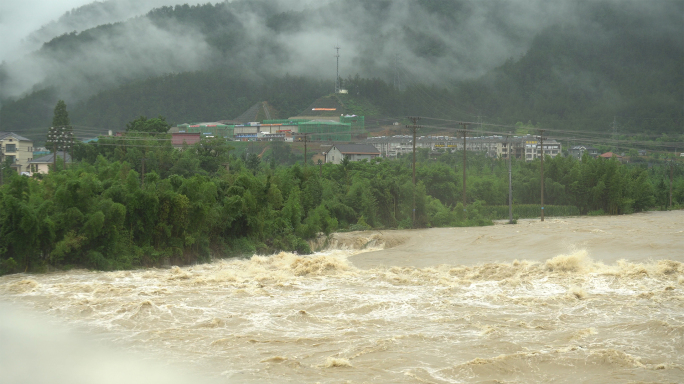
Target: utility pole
<point>54,157</point>
<point>63,136</point>
<point>337,76</point>
<point>510,179</point>
<point>671,176</point>
<point>465,134</point>
<point>541,144</point>
<point>2,165</point>
<point>305,150</point>
<point>143,167</point>
<point>71,146</point>
<point>615,136</point>
<point>414,127</point>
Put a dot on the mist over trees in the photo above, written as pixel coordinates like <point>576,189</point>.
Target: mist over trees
<point>570,65</point>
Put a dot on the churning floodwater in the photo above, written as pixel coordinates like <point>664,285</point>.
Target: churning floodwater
<point>322,318</point>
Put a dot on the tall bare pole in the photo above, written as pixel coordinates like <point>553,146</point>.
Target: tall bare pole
<point>414,127</point>
<point>71,146</point>
<point>143,167</point>
<point>2,165</point>
<point>671,176</point>
<point>615,136</point>
<point>510,179</point>
<point>54,153</point>
<point>305,150</point>
<point>337,74</point>
<point>541,144</point>
<point>465,134</point>
<point>63,142</point>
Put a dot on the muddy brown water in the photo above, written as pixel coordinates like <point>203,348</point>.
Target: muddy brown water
<point>590,299</point>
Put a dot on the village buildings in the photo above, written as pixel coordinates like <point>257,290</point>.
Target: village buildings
<point>520,147</point>
<point>579,150</point>
<point>353,152</point>
<point>17,149</point>
<point>42,164</point>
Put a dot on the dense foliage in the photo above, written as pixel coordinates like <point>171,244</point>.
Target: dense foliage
<point>188,205</point>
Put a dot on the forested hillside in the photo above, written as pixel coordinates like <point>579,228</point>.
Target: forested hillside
<point>576,66</point>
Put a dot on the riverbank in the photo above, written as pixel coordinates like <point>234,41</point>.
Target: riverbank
<point>636,238</point>
<point>466,313</point>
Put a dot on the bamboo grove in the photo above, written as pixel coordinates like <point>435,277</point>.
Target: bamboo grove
<point>205,201</point>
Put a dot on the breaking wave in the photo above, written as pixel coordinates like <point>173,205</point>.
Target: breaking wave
<point>301,316</point>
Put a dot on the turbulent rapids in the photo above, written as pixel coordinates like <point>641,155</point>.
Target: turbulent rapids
<point>322,318</point>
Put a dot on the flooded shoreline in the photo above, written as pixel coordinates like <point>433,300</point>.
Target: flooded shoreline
<point>553,302</point>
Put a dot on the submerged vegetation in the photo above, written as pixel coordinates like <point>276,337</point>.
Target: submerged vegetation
<point>203,201</point>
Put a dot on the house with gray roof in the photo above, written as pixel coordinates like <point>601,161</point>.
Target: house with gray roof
<point>354,152</point>
<point>42,164</point>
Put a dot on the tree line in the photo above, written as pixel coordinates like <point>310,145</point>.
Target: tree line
<point>136,201</point>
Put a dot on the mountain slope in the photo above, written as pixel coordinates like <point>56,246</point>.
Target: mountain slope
<point>584,64</point>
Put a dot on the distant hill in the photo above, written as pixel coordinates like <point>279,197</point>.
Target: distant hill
<point>90,16</point>
<point>578,67</point>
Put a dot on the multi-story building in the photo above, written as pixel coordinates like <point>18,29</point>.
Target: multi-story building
<point>391,146</point>
<point>18,149</point>
<point>533,149</point>
<point>520,147</point>
<point>578,151</point>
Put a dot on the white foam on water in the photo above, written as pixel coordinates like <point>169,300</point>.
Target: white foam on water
<point>296,316</point>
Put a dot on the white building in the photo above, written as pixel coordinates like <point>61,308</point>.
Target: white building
<point>533,149</point>
<point>18,149</point>
<point>391,146</point>
<point>354,152</point>
<point>494,146</point>
<point>43,163</point>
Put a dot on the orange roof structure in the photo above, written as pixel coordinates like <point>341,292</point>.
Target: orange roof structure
<point>608,155</point>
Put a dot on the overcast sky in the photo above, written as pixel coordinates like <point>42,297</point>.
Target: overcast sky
<point>18,18</point>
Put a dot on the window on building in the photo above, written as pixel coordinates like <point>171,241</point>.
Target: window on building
<point>12,159</point>
<point>10,148</point>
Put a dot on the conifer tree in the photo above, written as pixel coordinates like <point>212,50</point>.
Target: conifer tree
<point>60,134</point>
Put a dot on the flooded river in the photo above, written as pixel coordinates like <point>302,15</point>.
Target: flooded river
<point>568,300</point>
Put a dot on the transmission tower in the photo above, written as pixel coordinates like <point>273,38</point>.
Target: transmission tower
<point>337,75</point>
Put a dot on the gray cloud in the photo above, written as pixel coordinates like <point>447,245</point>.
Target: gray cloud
<point>19,18</point>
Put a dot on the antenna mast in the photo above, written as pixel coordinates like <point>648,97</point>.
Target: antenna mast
<point>337,77</point>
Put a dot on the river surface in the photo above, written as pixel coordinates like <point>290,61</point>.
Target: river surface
<point>574,300</point>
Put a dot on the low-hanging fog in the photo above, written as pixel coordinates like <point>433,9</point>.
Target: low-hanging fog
<point>423,41</point>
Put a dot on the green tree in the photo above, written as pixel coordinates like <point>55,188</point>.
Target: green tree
<point>60,134</point>
<point>143,124</point>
